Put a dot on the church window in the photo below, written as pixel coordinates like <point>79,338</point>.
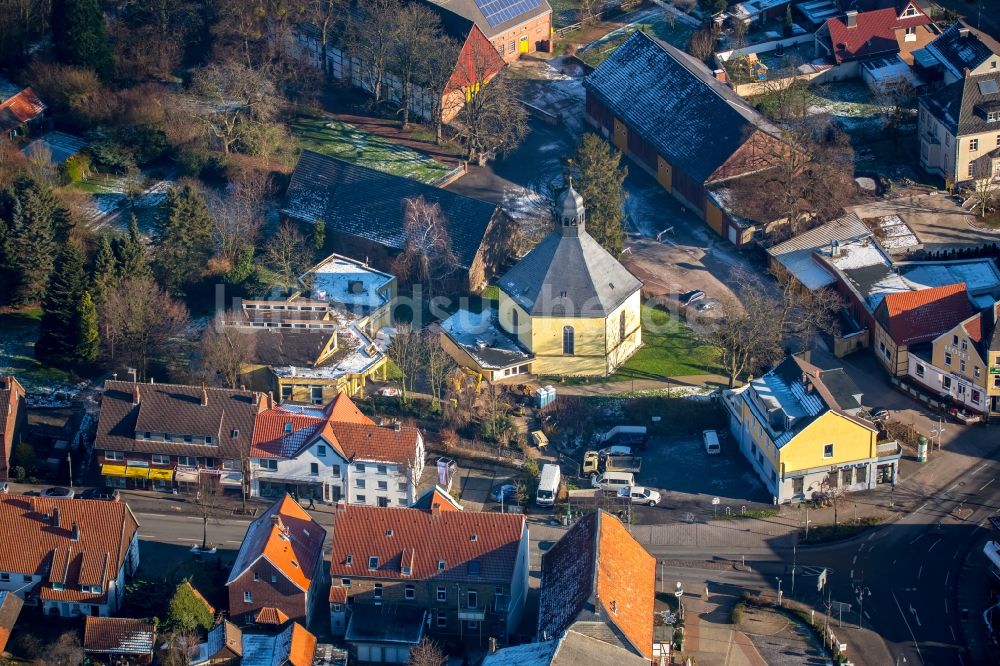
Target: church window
<point>568,342</point>
<point>513,320</point>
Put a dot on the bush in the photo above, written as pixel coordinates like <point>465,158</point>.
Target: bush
<point>531,467</point>
<point>76,168</point>
<point>19,473</point>
<point>146,144</point>
<point>110,155</point>
<point>736,615</point>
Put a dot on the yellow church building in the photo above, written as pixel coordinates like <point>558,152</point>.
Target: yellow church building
<point>568,307</point>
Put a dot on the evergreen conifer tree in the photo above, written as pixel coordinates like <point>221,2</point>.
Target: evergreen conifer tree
<point>105,266</point>
<point>30,212</point>
<point>599,177</point>
<point>59,334</point>
<point>184,239</point>
<point>133,259</point>
<point>88,339</point>
<point>80,35</point>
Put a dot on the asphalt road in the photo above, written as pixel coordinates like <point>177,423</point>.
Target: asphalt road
<point>908,573</point>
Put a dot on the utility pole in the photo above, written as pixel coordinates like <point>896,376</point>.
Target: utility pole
<point>69,462</point>
<point>778,578</point>
<point>795,541</point>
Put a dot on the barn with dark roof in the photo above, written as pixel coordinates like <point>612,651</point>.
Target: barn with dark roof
<point>665,111</point>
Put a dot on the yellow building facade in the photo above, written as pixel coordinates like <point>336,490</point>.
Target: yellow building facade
<point>801,428</point>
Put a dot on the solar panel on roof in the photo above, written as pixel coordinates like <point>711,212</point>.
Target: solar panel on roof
<point>501,11</point>
<point>988,87</point>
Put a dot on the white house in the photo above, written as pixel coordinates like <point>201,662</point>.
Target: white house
<point>71,556</point>
<point>332,453</point>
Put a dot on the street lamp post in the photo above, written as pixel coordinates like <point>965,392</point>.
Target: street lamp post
<point>861,591</point>
<point>777,578</point>
<point>936,433</point>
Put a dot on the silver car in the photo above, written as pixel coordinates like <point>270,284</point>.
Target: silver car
<point>640,495</point>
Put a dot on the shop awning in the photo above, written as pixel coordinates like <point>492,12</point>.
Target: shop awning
<point>187,476</point>
<point>137,472</point>
<point>161,474</point>
<point>113,470</point>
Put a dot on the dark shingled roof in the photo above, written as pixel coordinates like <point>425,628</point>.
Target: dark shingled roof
<point>569,274</point>
<point>673,102</point>
<point>962,106</point>
<point>362,202</point>
<point>176,410</point>
<point>469,9</point>
<point>959,52</point>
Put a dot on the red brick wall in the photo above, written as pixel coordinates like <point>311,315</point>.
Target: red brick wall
<point>281,594</point>
<point>538,31</point>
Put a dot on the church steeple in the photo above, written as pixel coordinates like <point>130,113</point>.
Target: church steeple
<point>572,216</point>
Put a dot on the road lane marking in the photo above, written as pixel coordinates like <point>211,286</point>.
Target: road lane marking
<point>953,637</point>
<point>946,577</point>
<point>186,539</point>
<point>873,534</point>
<point>854,560</point>
<point>907,623</point>
<point>915,616</point>
<point>955,555</point>
<point>986,484</point>
<point>920,572</point>
<point>867,616</point>
<point>933,544</point>
<point>961,661</point>
<point>979,468</point>
<point>230,541</point>
<point>918,536</point>
<point>946,606</point>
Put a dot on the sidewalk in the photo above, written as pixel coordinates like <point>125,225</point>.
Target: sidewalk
<point>629,386</point>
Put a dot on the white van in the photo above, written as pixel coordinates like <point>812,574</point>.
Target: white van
<point>711,439</point>
<point>612,480</point>
<point>548,485</point>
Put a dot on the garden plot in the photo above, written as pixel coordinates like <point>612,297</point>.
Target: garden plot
<point>345,141</point>
<point>849,103</point>
<point>655,22</point>
<point>110,204</point>
<point>45,386</point>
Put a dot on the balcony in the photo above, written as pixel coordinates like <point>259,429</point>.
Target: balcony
<point>888,449</point>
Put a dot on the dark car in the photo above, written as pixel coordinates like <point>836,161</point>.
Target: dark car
<point>59,492</point>
<point>689,297</point>
<point>504,492</point>
<point>106,494</point>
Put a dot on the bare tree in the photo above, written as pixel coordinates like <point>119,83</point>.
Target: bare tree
<point>833,491</point>
<point>231,94</point>
<point>590,11</point>
<point>494,410</point>
<point>436,79</point>
<point>439,366</point>
<point>703,41</point>
<point>329,18</point>
<point>427,653</point>
<point>239,215</point>
<point>225,350</point>
<point>406,350</point>
<point>418,30</point>
<point>206,501</point>
<point>64,651</point>
<point>427,257</point>
<point>371,37</point>
<point>138,317</point>
<point>983,186</point>
<point>492,120</point>
<point>286,256</point>
<point>749,330</point>
<point>893,100</point>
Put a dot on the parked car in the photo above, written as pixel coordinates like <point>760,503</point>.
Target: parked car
<point>504,492</point>
<point>878,413</point>
<point>711,441</point>
<point>4,487</point>
<point>59,492</point>
<point>612,480</point>
<point>106,494</point>
<point>640,495</point>
<point>617,450</point>
<point>689,297</point>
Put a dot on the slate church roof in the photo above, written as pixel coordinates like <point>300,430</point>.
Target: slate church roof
<point>673,102</point>
<point>369,204</point>
<point>569,274</point>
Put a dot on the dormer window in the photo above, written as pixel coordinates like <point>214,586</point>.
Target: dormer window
<point>473,537</point>
<point>235,433</point>
<point>58,587</point>
<point>909,11</point>
<point>388,532</point>
<point>373,562</point>
<point>406,570</point>
<point>288,427</point>
<point>441,565</point>
<point>349,561</point>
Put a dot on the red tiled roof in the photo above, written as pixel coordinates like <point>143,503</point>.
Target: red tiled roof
<point>19,109</point>
<point>912,317</point>
<point>302,648</point>
<point>10,609</point>
<point>974,328</point>
<point>424,538</point>
<point>293,544</point>
<point>11,402</point>
<point>352,434</point>
<point>338,595</point>
<point>270,615</point>
<point>873,34</point>
<point>599,565</point>
<point>105,533</point>
<point>119,635</point>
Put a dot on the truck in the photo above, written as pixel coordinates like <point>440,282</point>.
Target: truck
<point>594,462</point>
<point>626,435</point>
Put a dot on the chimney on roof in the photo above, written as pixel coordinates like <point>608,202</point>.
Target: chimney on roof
<point>397,426</point>
<point>75,532</point>
<point>851,18</point>
<point>55,517</point>
<point>435,508</point>
<point>270,400</point>
<point>720,75</point>
<point>6,383</point>
<point>963,33</point>
<point>341,506</point>
<point>204,396</point>
<point>493,644</point>
<point>276,520</point>
<point>834,248</point>
<point>135,394</point>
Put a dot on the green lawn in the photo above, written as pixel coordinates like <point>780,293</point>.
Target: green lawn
<point>598,51</point>
<point>332,137</point>
<point>669,349</point>
<point>18,332</point>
